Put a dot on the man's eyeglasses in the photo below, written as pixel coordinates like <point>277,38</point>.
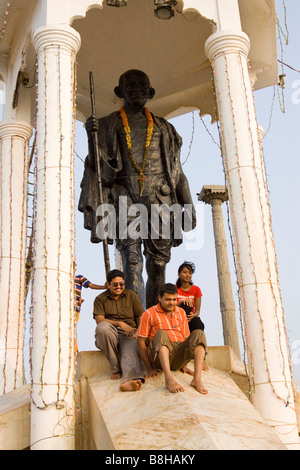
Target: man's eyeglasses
<point>116,284</point>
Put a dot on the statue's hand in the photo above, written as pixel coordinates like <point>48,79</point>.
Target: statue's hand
<point>189,221</point>
<point>92,124</point>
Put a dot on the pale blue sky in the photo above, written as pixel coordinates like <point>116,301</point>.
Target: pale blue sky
<point>204,167</point>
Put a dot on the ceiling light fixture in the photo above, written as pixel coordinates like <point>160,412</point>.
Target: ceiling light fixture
<point>164,10</point>
<point>116,3</point>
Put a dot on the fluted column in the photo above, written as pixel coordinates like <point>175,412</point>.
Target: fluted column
<point>52,366</point>
<point>14,138</point>
<point>215,196</point>
<point>259,290</point>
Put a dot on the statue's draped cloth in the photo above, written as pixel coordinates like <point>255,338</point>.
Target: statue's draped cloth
<point>175,185</point>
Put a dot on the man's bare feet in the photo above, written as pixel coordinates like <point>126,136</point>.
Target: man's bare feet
<point>116,376</point>
<point>173,386</point>
<point>198,384</point>
<point>205,367</point>
<point>131,386</point>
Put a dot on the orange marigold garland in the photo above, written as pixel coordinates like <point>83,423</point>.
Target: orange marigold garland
<point>142,177</point>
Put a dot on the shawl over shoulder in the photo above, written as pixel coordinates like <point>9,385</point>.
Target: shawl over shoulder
<point>111,165</point>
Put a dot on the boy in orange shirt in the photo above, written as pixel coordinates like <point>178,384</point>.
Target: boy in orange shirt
<point>171,344</point>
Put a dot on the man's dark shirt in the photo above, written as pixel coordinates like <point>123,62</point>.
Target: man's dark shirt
<point>127,308</point>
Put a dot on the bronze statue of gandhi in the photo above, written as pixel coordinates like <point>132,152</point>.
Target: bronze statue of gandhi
<point>140,169</point>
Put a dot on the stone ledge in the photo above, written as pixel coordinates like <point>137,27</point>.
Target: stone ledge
<point>15,419</point>
<point>155,419</point>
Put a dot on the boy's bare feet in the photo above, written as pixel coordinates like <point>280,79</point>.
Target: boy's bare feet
<point>116,376</point>
<point>173,386</point>
<point>186,370</point>
<point>198,384</point>
<point>131,386</point>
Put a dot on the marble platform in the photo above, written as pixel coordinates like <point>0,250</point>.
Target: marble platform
<point>15,419</point>
<point>155,419</point>
<point>152,418</point>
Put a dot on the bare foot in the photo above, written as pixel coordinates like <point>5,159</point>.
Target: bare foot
<point>116,376</point>
<point>205,367</point>
<point>131,386</point>
<point>198,384</point>
<point>188,371</point>
<point>173,386</point>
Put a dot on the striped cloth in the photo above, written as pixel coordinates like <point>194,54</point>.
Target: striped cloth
<point>155,319</point>
<point>80,282</point>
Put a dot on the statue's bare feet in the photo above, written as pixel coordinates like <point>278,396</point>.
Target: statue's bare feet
<point>198,384</point>
<point>131,386</point>
<point>173,386</point>
<point>116,376</point>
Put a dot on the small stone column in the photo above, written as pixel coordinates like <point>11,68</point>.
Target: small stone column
<point>14,139</point>
<point>52,407</point>
<point>215,196</point>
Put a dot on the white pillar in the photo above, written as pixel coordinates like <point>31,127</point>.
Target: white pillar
<point>52,364</point>
<point>14,138</point>
<point>215,196</point>
<point>268,358</point>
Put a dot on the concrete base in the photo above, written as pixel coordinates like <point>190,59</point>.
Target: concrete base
<point>15,419</point>
<point>152,418</point>
<point>155,419</point>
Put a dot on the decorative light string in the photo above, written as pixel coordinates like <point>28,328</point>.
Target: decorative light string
<point>30,249</point>
<point>282,34</point>
<point>45,148</point>
<point>10,262</point>
<point>73,326</point>
<point>1,209</point>
<point>235,246</point>
<point>59,223</point>
<point>14,367</point>
<point>221,147</point>
<point>33,259</point>
<point>192,139</point>
<point>266,222</point>
<point>3,30</point>
<point>21,304</point>
<point>250,245</point>
<point>227,178</point>
<point>68,380</point>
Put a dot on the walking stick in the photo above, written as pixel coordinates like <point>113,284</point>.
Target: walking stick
<point>98,171</point>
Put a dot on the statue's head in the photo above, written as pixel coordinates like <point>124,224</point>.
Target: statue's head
<point>134,88</point>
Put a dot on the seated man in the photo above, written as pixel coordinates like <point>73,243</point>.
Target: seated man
<point>171,344</point>
<point>117,312</point>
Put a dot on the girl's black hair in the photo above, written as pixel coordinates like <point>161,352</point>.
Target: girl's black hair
<point>190,266</point>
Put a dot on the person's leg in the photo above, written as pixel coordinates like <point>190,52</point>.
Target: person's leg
<point>161,355</point>
<point>164,358</point>
<point>158,254</point>
<point>132,263</point>
<point>106,339</point>
<point>194,347</point>
<point>196,324</point>
<point>133,375</point>
<point>199,355</point>
<point>155,279</point>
